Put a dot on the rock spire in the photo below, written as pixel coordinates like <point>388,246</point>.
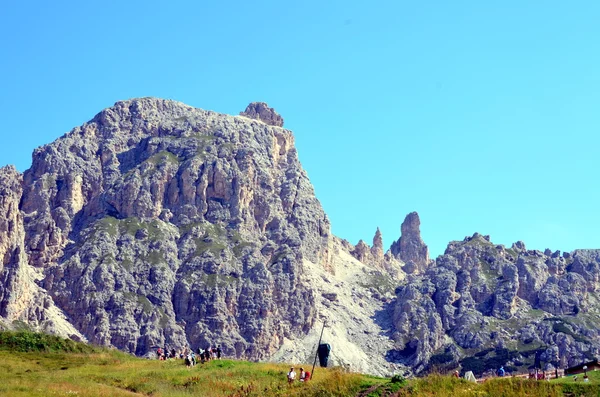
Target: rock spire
<point>261,111</point>
<point>410,248</point>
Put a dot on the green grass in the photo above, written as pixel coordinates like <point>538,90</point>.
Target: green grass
<point>111,373</point>
<point>446,386</point>
<point>42,365</point>
<point>27,341</point>
<point>113,227</point>
<point>164,157</point>
<point>594,377</point>
<point>380,282</point>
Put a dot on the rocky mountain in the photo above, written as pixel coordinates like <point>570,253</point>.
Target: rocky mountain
<point>157,224</point>
<point>483,305</point>
<point>410,248</point>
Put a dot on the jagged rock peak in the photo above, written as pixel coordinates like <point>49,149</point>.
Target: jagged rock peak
<point>476,284</point>
<point>261,111</point>
<point>377,248</point>
<point>163,209</point>
<point>519,246</point>
<point>410,248</point>
<point>361,251</point>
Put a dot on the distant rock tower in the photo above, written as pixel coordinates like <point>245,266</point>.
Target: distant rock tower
<point>377,248</point>
<point>261,111</point>
<point>410,248</point>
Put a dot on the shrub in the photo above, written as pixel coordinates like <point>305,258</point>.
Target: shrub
<point>27,341</point>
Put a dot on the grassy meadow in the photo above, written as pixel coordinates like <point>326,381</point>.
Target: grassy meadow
<point>42,365</point>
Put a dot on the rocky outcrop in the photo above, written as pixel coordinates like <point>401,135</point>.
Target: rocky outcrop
<point>377,248</point>
<point>507,304</point>
<point>261,111</point>
<point>410,248</point>
<point>22,301</point>
<point>14,294</point>
<point>373,256</point>
<point>158,223</point>
<point>362,252</point>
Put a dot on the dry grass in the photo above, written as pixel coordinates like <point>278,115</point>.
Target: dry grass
<point>117,374</point>
<point>88,371</point>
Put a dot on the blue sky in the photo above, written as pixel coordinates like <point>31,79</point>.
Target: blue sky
<point>481,116</point>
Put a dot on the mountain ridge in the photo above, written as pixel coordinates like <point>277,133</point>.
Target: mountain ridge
<point>156,223</point>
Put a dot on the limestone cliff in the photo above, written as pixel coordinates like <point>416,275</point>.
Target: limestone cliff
<point>410,248</point>
<point>157,223</point>
<point>483,305</point>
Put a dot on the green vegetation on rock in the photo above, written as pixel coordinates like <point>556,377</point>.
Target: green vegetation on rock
<point>27,341</point>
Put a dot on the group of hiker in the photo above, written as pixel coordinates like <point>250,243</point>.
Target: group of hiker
<point>190,357</point>
<point>304,375</point>
<point>501,372</point>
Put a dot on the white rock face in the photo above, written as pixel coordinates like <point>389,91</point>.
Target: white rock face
<point>358,323</point>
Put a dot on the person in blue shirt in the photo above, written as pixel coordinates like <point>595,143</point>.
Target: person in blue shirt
<point>501,371</point>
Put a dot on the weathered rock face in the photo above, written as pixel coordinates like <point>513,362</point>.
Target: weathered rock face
<point>511,305</point>
<point>261,111</point>
<point>410,248</point>
<point>374,256</point>
<point>160,224</point>
<point>377,248</point>
<point>157,223</point>
<point>21,299</point>
<point>13,292</point>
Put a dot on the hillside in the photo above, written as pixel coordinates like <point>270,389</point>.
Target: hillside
<point>40,365</point>
<point>159,224</point>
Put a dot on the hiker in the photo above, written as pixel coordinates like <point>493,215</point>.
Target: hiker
<point>159,353</point>
<point>219,351</point>
<point>501,372</point>
<point>173,353</point>
<point>455,374</point>
<point>304,375</point>
<point>291,375</point>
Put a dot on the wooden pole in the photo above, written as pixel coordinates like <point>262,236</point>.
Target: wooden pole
<point>317,353</point>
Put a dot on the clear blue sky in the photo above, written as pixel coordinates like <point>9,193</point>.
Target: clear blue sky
<point>482,116</point>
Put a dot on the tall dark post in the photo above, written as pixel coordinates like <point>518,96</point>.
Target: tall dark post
<point>317,352</point>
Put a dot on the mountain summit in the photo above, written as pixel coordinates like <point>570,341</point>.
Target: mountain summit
<point>159,224</point>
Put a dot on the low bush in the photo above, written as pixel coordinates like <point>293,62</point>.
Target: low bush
<point>27,341</point>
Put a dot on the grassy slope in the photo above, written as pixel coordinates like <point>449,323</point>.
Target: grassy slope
<point>593,375</point>
<point>34,365</point>
<point>116,374</point>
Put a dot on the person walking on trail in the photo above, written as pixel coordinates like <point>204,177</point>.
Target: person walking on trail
<point>501,372</point>
<point>219,352</point>
<point>304,375</point>
<point>291,376</point>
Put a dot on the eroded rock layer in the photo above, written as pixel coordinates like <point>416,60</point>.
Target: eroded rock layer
<point>483,305</point>
<point>158,223</point>
<point>161,224</point>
